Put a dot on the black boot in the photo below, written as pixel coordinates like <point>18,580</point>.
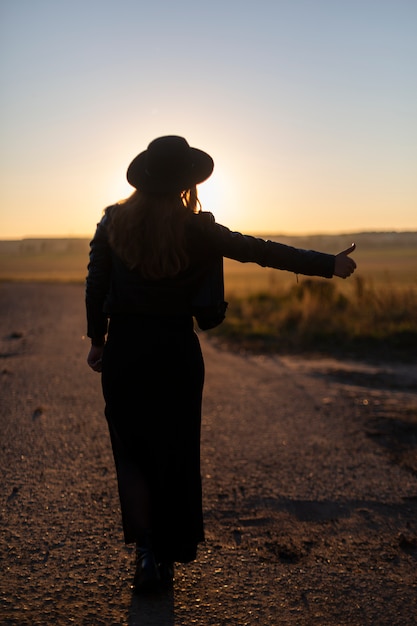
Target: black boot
<point>147,574</point>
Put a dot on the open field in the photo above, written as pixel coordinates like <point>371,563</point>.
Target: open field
<point>51,260</point>
<point>383,258</point>
<point>272,311</point>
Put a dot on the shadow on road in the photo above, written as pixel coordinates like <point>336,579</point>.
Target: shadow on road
<point>155,609</point>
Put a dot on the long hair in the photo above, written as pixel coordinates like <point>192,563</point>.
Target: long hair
<point>147,232</point>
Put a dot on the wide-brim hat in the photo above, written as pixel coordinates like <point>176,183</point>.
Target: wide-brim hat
<point>169,165</point>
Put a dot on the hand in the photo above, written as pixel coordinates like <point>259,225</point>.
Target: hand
<point>344,266</point>
<point>94,358</point>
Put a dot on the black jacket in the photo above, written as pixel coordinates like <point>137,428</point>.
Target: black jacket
<point>112,288</point>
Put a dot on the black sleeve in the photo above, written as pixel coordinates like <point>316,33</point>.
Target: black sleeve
<point>97,284</point>
<point>248,249</point>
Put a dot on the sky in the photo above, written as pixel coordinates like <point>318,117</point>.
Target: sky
<point>308,108</point>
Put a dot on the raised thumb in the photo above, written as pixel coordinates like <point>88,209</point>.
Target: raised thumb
<point>349,250</point>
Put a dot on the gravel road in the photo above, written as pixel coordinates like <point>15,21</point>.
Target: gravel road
<point>309,474</point>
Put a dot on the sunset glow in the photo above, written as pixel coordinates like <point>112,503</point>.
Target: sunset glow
<point>308,110</point>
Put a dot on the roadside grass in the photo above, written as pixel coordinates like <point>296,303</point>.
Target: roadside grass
<point>314,315</point>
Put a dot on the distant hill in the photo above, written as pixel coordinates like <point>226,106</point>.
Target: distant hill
<point>362,240</point>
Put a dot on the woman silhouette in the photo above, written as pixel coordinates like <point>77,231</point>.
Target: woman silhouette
<point>149,257</point>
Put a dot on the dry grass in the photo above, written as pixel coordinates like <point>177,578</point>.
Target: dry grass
<point>316,315</point>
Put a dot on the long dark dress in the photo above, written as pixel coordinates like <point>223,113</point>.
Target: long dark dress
<point>153,375</point>
<point>153,396</point>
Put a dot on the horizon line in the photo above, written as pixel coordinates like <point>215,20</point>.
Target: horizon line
<point>253,233</point>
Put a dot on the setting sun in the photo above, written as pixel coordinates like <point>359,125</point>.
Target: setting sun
<point>116,188</point>
<point>220,195</point>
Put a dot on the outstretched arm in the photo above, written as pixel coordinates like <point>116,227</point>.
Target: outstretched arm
<point>344,266</point>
